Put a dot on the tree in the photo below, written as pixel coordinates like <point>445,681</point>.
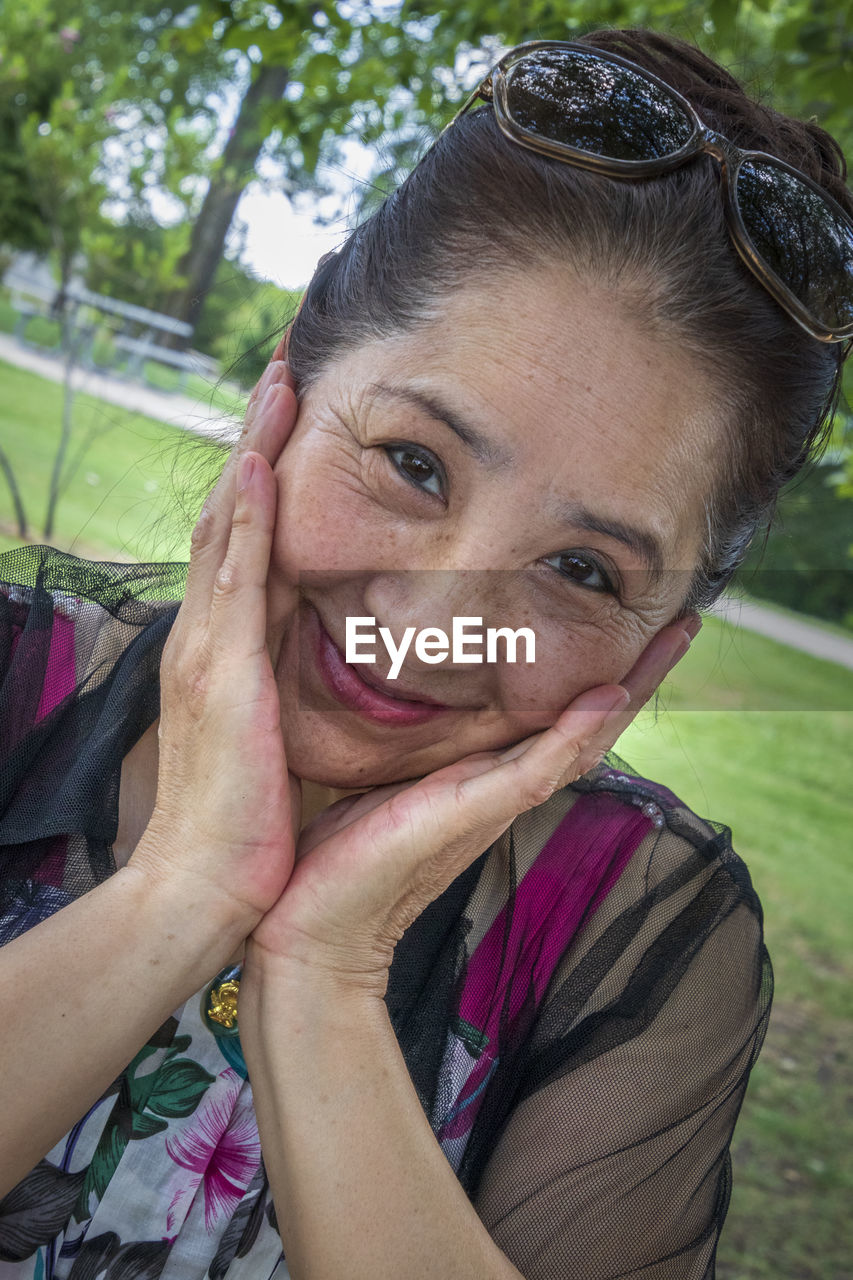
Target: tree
<point>95,113</point>
<point>210,228</point>
<point>191,101</point>
<point>304,80</point>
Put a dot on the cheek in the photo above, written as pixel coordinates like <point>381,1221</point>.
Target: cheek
<point>325,519</point>
<point>570,659</point>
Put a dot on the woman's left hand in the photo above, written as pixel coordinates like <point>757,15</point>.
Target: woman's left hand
<point>379,858</point>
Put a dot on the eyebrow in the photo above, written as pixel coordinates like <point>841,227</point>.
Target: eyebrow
<point>644,544</point>
<point>433,407</point>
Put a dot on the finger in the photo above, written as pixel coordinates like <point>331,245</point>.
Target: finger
<point>276,371</point>
<point>344,812</point>
<point>238,608</point>
<point>255,435</point>
<point>658,659</point>
<point>325,824</point>
<point>279,356</point>
<point>644,678</point>
<point>275,421</point>
<point>666,648</point>
<point>529,772</point>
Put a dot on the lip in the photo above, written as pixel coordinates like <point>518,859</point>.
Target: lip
<point>352,691</point>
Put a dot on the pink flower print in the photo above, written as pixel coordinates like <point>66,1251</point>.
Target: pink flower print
<point>219,1148</point>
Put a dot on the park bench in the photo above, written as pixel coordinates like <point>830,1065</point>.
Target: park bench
<point>30,301</point>
<point>32,298</point>
<point>142,349</point>
<point>27,311</point>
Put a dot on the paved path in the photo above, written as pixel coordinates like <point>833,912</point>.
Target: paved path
<point>800,633</point>
<point>194,415</point>
<point>166,406</point>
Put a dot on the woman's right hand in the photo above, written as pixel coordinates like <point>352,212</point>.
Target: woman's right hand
<point>227,811</point>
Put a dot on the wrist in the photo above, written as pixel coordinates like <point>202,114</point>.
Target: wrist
<point>306,989</point>
<point>340,960</point>
<point>193,919</point>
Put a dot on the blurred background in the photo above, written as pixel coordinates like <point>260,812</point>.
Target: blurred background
<point>169,175</point>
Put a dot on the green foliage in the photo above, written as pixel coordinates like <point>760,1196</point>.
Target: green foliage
<point>43,332</point>
<point>807,563</point>
<point>136,261</point>
<point>144,1106</point>
<point>124,100</point>
<point>50,135</point>
<point>85,116</point>
<point>243,320</point>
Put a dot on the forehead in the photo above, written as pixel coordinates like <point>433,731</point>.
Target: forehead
<point>577,394</point>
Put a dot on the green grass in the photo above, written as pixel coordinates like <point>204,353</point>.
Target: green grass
<point>777,773</point>
<point>8,316</point>
<point>730,669</point>
<point>138,486</point>
<point>781,781</point>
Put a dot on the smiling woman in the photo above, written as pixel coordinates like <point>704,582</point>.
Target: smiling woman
<point>482,525</point>
<point>491,1013</point>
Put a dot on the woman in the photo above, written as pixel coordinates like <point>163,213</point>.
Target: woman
<point>498,1011</point>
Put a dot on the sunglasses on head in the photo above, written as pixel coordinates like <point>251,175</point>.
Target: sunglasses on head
<point>600,111</point>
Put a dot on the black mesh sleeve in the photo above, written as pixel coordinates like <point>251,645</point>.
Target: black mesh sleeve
<point>614,1160</point>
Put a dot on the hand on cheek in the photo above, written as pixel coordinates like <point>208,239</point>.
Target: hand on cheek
<point>663,652</point>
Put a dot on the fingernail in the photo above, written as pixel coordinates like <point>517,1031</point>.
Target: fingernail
<point>270,395</point>
<point>693,626</point>
<point>247,468</point>
<point>611,704</point>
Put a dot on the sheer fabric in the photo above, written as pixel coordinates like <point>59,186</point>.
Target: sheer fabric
<point>579,1011</point>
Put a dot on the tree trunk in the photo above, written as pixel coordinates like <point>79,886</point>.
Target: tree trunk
<point>20,514</point>
<point>70,344</point>
<point>234,173</point>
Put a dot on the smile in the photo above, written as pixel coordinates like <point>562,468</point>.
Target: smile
<point>433,645</point>
<point>366,695</point>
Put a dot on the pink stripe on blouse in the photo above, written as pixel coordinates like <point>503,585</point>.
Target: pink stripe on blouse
<point>576,869</point>
<point>61,674</point>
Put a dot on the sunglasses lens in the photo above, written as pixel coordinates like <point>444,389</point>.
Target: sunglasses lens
<point>596,106</point>
<point>801,239</point>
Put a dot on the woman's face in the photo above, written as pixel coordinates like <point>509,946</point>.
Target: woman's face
<point>518,461</point>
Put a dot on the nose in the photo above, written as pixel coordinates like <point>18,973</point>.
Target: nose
<point>432,598</point>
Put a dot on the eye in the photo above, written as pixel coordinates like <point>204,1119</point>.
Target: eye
<point>417,465</point>
<point>580,569</point>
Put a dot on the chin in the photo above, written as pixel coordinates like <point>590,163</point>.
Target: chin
<point>318,752</point>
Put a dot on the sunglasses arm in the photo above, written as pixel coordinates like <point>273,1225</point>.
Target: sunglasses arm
<point>483,91</point>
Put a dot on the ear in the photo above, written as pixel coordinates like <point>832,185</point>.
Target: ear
<point>283,345</point>
<point>281,350</point>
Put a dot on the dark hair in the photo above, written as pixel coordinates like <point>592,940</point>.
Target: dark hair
<point>478,203</point>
